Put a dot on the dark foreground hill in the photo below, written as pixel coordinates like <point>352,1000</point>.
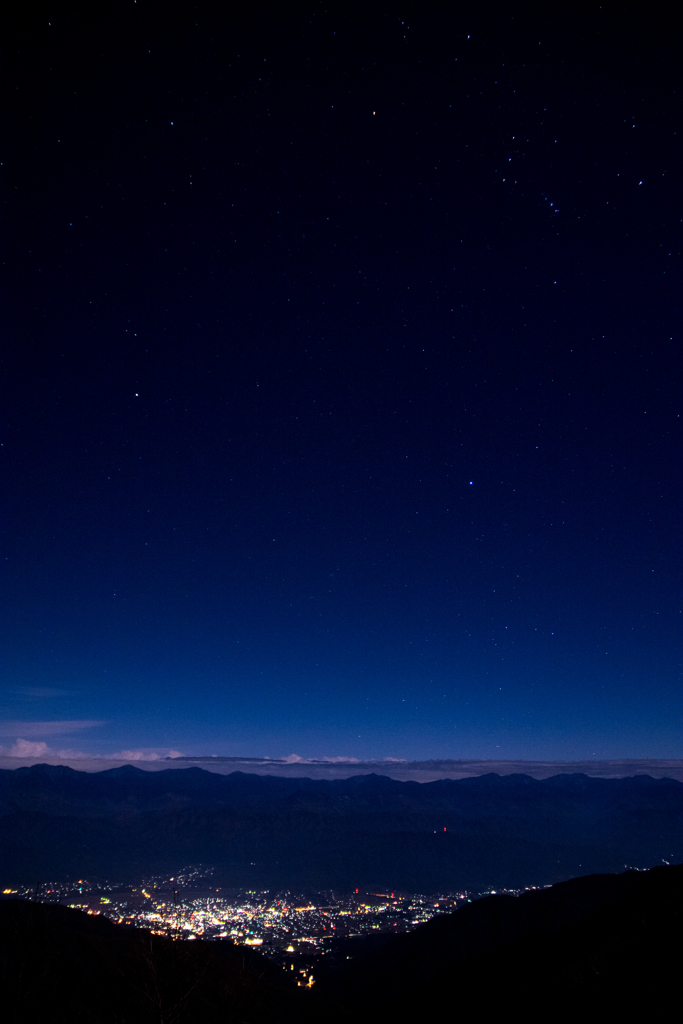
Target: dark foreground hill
<point>492,831</point>
<point>603,947</point>
<point>60,965</point>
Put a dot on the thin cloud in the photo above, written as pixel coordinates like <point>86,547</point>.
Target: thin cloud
<point>38,749</point>
<point>146,754</point>
<point>55,728</point>
<point>35,749</point>
<point>296,759</point>
<point>133,755</point>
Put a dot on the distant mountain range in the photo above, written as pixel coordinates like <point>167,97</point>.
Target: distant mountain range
<point>602,947</point>
<point>400,768</point>
<point>485,832</point>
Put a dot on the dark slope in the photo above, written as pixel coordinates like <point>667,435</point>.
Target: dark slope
<point>599,947</point>
<point>59,965</point>
<point>508,831</point>
<point>594,948</point>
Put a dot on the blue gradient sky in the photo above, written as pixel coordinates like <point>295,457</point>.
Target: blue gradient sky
<point>342,408</point>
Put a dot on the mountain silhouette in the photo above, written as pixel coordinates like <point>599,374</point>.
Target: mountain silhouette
<point>601,947</point>
<point>61,965</point>
<point>366,831</point>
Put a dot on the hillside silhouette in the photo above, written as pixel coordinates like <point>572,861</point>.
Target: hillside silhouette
<point>59,965</point>
<point>477,833</point>
<point>600,947</point>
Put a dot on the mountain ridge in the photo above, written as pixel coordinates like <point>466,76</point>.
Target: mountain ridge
<point>486,831</point>
<point>596,946</point>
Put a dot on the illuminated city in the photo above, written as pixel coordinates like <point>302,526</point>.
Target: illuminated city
<point>296,930</point>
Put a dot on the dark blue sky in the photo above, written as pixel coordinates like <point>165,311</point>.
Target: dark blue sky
<point>343,382</point>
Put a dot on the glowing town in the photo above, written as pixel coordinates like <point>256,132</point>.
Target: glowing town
<point>296,930</point>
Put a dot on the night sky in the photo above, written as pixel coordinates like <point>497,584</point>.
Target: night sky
<point>342,380</point>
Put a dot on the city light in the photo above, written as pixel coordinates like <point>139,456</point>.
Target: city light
<point>292,928</point>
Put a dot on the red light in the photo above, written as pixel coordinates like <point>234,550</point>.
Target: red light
<point>444,828</point>
<point>356,890</point>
